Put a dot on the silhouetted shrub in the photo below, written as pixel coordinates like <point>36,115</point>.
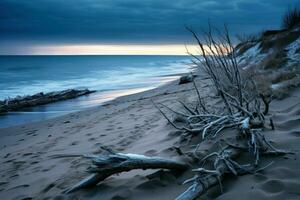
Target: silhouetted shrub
<point>291,18</point>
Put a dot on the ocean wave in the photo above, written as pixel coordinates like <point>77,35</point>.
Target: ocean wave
<point>117,74</point>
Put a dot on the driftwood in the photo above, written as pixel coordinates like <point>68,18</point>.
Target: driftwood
<point>186,79</point>
<point>106,165</point>
<point>18,103</point>
<point>223,164</point>
<point>207,178</point>
<point>242,108</point>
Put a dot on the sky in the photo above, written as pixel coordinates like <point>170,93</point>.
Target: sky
<point>126,26</point>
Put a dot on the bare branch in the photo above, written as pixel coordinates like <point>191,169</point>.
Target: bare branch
<point>107,165</point>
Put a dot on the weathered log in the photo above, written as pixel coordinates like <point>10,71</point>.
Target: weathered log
<point>19,103</point>
<point>114,163</point>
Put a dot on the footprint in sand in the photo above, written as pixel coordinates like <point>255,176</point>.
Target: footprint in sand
<point>151,152</point>
<point>74,143</point>
<point>14,176</point>
<point>3,184</point>
<point>259,178</point>
<point>31,132</point>
<point>35,156</point>
<point>23,197</point>
<point>109,129</point>
<point>122,194</point>
<point>7,155</point>
<point>133,137</point>
<point>37,169</point>
<point>48,168</point>
<point>281,172</point>
<point>124,142</point>
<point>47,188</point>
<point>9,161</point>
<point>27,154</point>
<point>34,162</point>
<point>19,186</point>
<point>137,126</point>
<point>295,132</point>
<point>273,186</point>
<point>91,139</point>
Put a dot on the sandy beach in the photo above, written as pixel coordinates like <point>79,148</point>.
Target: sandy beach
<point>149,100</point>
<point>131,124</point>
<point>127,124</point>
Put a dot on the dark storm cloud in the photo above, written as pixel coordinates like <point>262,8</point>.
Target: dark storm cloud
<point>130,21</point>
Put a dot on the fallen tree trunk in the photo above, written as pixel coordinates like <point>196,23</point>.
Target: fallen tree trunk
<point>106,165</point>
<point>19,103</point>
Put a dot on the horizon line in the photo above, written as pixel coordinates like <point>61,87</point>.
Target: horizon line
<point>103,49</point>
<point>94,55</point>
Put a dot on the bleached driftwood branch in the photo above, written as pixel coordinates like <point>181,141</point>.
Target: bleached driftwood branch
<point>106,165</point>
<point>242,110</point>
<point>208,178</point>
<point>223,164</point>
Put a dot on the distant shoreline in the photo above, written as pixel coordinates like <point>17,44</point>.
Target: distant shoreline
<point>96,55</point>
<point>80,103</point>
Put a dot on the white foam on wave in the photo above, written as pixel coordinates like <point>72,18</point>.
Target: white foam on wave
<point>102,79</point>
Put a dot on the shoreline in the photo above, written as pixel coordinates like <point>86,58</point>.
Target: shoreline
<point>127,124</point>
<point>131,124</point>
<point>48,74</point>
<point>100,98</point>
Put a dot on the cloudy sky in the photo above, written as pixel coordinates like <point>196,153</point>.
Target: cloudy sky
<point>41,26</point>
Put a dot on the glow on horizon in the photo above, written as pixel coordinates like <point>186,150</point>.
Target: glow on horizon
<point>106,49</point>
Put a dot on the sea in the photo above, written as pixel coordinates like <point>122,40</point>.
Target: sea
<point>112,76</point>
